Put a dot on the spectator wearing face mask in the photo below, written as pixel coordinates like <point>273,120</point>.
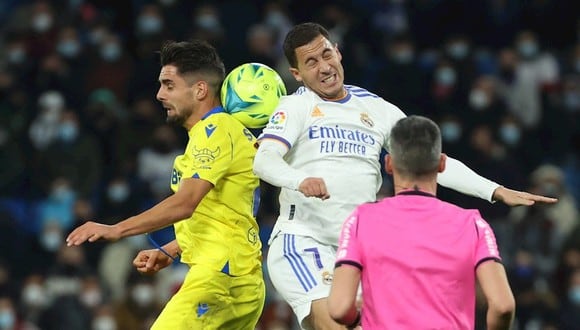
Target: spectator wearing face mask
<point>485,106</point>
<point>33,298</point>
<point>121,199</point>
<point>9,318</point>
<point>400,79</point>
<point>140,303</point>
<point>570,312</point>
<point>74,155</point>
<point>154,160</point>
<point>110,67</point>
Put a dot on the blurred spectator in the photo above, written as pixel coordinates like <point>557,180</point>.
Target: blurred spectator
<point>485,107</point>
<point>42,36</point>
<point>44,128</point>
<point>260,45</point>
<point>9,318</point>
<point>115,263</point>
<point>121,199</point>
<point>104,319</point>
<point>534,300</point>
<point>74,154</point>
<point>453,132</point>
<point>150,23</point>
<point>444,90</point>
<point>537,64</point>
<point>570,314</point>
<point>140,303</point>
<point>111,68</point>
<point>519,89</point>
<point>154,161</point>
<point>459,51</point>
<point>400,80</point>
<point>33,299</point>
<point>58,205</point>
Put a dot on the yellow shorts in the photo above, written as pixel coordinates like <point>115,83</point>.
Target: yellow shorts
<point>213,300</point>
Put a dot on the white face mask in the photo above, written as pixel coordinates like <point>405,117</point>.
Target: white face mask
<point>104,323</point>
<point>51,240</point>
<point>478,99</point>
<point>34,295</point>
<point>446,76</point>
<point>143,294</point>
<point>510,134</point>
<point>91,298</point>
<point>16,55</point>
<point>42,22</point>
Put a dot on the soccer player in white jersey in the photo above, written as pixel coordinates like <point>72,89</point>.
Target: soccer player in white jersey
<point>322,147</point>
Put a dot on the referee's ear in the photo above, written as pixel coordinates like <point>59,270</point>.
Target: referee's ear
<point>389,164</point>
<point>442,162</point>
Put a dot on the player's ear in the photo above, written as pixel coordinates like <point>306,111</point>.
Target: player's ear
<point>388,164</point>
<point>296,74</point>
<point>442,162</point>
<point>200,89</point>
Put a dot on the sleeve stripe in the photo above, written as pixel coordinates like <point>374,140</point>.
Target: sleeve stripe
<point>498,260</point>
<point>277,138</point>
<point>348,262</point>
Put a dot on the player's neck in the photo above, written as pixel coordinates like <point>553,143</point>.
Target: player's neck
<point>428,186</point>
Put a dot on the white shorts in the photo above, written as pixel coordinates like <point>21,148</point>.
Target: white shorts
<point>301,270</point>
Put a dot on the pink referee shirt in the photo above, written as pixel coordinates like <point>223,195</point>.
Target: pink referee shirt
<point>418,257</point>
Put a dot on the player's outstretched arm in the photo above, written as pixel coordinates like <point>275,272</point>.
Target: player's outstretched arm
<point>174,208</point>
<point>514,198</point>
<point>493,280</point>
<point>461,178</point>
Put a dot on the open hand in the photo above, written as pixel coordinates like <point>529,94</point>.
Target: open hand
<point>151,261</point>
<point>92,231</point>
<point>515,198</point>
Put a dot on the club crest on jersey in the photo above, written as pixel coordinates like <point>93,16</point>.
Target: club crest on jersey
<point>205,156</point>
<point>277,121</point>
<point>327,278</point>
<point>365,119</point>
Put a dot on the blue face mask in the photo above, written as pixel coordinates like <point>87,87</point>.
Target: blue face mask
<point>7,319</point>
<point>69,48</point>
<point>450,132</point>
<point>458,50</point>
<point>118,192</point>
<point>528,49</point>
<point>510,134</point>
<point>68,132</point>
<point>111,52</point>
<point>16,55</point>
<point>148,24</point>
<point>446,76</point>
<point>574,295</point>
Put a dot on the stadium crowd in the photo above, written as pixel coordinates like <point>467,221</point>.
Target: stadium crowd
<point>83,137</point>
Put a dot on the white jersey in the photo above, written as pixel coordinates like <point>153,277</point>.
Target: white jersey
<point>339,141</point>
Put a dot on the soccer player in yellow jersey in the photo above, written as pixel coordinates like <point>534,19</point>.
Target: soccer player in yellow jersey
<point>213,207</point>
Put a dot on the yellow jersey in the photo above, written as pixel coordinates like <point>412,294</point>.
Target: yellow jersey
<point>222,232</point>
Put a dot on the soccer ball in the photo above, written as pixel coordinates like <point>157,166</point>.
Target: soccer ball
<point>251,92</point>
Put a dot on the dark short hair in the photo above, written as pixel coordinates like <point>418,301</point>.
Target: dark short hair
<point>194,57</point>
<point>415,146</point>
<point>300,35</point>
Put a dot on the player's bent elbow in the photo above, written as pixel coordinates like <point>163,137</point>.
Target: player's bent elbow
<point>338,309</point>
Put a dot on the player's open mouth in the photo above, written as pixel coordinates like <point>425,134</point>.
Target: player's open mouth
<point>329,79</point>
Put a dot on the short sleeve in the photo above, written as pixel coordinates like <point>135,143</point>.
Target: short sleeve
<point>348,244</point>
<point>486,246</point>
<point>286,122</point>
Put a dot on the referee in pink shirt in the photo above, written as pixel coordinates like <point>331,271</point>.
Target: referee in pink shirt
<point>418,257</point>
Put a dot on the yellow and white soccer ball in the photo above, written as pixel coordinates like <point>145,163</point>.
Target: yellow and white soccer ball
<point>251,92</point>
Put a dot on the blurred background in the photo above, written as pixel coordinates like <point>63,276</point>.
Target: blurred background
<point>82,136</point>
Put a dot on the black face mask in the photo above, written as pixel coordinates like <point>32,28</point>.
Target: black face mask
<point>161,146</point>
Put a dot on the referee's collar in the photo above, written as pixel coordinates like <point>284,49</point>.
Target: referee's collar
<point>217,109</point>
<point>416,192</point>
